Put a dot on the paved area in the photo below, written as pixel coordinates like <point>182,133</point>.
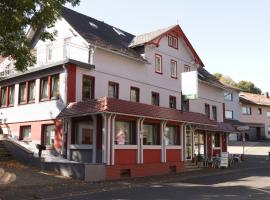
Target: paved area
<point>249,180</point>
<point>250,148</point>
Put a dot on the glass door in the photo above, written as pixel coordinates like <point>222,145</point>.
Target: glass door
<point>188,145</point>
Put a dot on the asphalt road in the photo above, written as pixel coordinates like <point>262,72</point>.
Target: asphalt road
<point>249,182</point>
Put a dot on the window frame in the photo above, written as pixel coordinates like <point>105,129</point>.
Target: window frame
<point>175,102</point>
<point>158,136</point>
<point>172,41</point>
<point>247,108</point>
<point>158,98</point>
<point>117,89</point>
<point>5,88</point>
<point>268,114</point>
<point>132,136</point>
<point>214,114</point>
<point>226,94</point>
<point>231,111</point>
<point>21,133</point>
<point>176,70</point>
<point>25,94</point>
<point>177,134</point>
<point>51,97</point>
<point>8,93</point>
<point>28,89</point>
<point>207,108</point>
<point>48,90</point>
<point>92,78</point>
<point>137,91</point>
<point>187,67</point>
<point>161,65</point>
<point>43,134</point>
<point>214,141</point>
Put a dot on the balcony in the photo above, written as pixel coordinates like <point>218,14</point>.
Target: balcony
<point>52,53</point>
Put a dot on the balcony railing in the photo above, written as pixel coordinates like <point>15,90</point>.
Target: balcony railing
<point>52,53</point>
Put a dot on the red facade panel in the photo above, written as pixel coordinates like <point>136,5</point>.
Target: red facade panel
<point>151,156</point>
<point>125,156</point>
<point>71,83</point>
<point>173,155</point>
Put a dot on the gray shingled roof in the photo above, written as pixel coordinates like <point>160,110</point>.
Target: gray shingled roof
<point>205,76</point>
<point>101,34</point>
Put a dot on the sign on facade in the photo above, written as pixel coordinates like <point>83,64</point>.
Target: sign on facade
<point>224,162</point>
<point>189,85</point>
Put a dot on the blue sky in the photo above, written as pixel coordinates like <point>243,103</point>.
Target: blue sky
<point>231,36</point>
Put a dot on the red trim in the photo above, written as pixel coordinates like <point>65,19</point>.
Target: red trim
<point>92,78</point>
<point>161,65</point>
<point>125,118</point>
<point>175,77</point>
<point>138,93</point>
<point>172,38</point>
<point>49,86</point>
<point>223,109</point>
<point>117,87</point>
<point>71,83</point>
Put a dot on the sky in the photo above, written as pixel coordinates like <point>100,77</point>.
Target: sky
<point>232,37</point>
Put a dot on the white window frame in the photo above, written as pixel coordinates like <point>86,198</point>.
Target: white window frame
<point>174,68</point>
<point>158,60</point>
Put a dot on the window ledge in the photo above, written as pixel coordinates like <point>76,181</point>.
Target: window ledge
<point>152,146</point>
<point>173,147</point>
<point>81,146</point>
<point>125,146</point>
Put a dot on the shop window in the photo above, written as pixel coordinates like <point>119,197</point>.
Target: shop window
<point>113,90</point>
<point>25,133</point>
<point>150,135</point>
<point>88,87</point>
<point>171,135</point>
<point>48,134</point>
<point>83,133</point>
<point>134,94</point>
<point>125,133</point>
<point>216,140</point>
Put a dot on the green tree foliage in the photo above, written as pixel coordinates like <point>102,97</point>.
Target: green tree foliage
<point>16,16</point>
<point>246,86</point>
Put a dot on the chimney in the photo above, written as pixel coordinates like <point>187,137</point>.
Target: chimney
<point>266,95</point>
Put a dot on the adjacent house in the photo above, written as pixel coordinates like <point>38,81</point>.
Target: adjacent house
<point>255,113</point>
<point>101,95</point>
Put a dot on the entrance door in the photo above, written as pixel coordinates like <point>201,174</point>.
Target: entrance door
<point>199,143</point>
<point>188,144</point>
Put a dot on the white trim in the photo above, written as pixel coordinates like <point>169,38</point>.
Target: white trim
<point>138,130</point>
<point>104,137</point>
<point>125,146</point>
<point>174,147</point>
<point>108,146</point>
<point>81,146</point>
<point>141,140</point>
<point>152,147</point>
<point>69,139</point>
<point>112,141</point>
<point>94,118</point>
<point>182,129</point>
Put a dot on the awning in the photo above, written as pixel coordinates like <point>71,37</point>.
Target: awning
<point>123,107</point>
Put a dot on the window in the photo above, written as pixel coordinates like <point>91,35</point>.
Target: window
<point>185,106</point>
<point>155,98</point>
<point>216,140</point>
<point>172,102</point>
<point>22,93</point>
<point>228,96</point>
<point>125,133</point>
<point>173,69</point>
<point>11,95</point>
<point>268,114</point>
<point>246,110</point>
<point>44,88</point>
<point>207,110</point>
<point>158,63</point>
<point>83,133</point>
<point>173,41</point>
<point>150,135</point>
<point>186,68</point>
<point>25,133</point>
<point>31,91</point>
<point>171,135</point>
<point>229,114</point>
<point>48,134</point>
<point>3,96</point>
<point>214,112</point>
<point>88,87</point>
<point>113,90</point>
<point>134,94</point>
<point>259,111</point>
<point>54,87</point>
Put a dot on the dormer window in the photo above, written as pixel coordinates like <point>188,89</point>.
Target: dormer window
<point>173,41</point>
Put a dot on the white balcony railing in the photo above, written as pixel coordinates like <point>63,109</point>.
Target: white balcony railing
<point>53,53</point>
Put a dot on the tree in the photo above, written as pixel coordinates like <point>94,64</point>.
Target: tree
<point>16,16</point>
<point>248,86</point>
<point>225,79</point>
